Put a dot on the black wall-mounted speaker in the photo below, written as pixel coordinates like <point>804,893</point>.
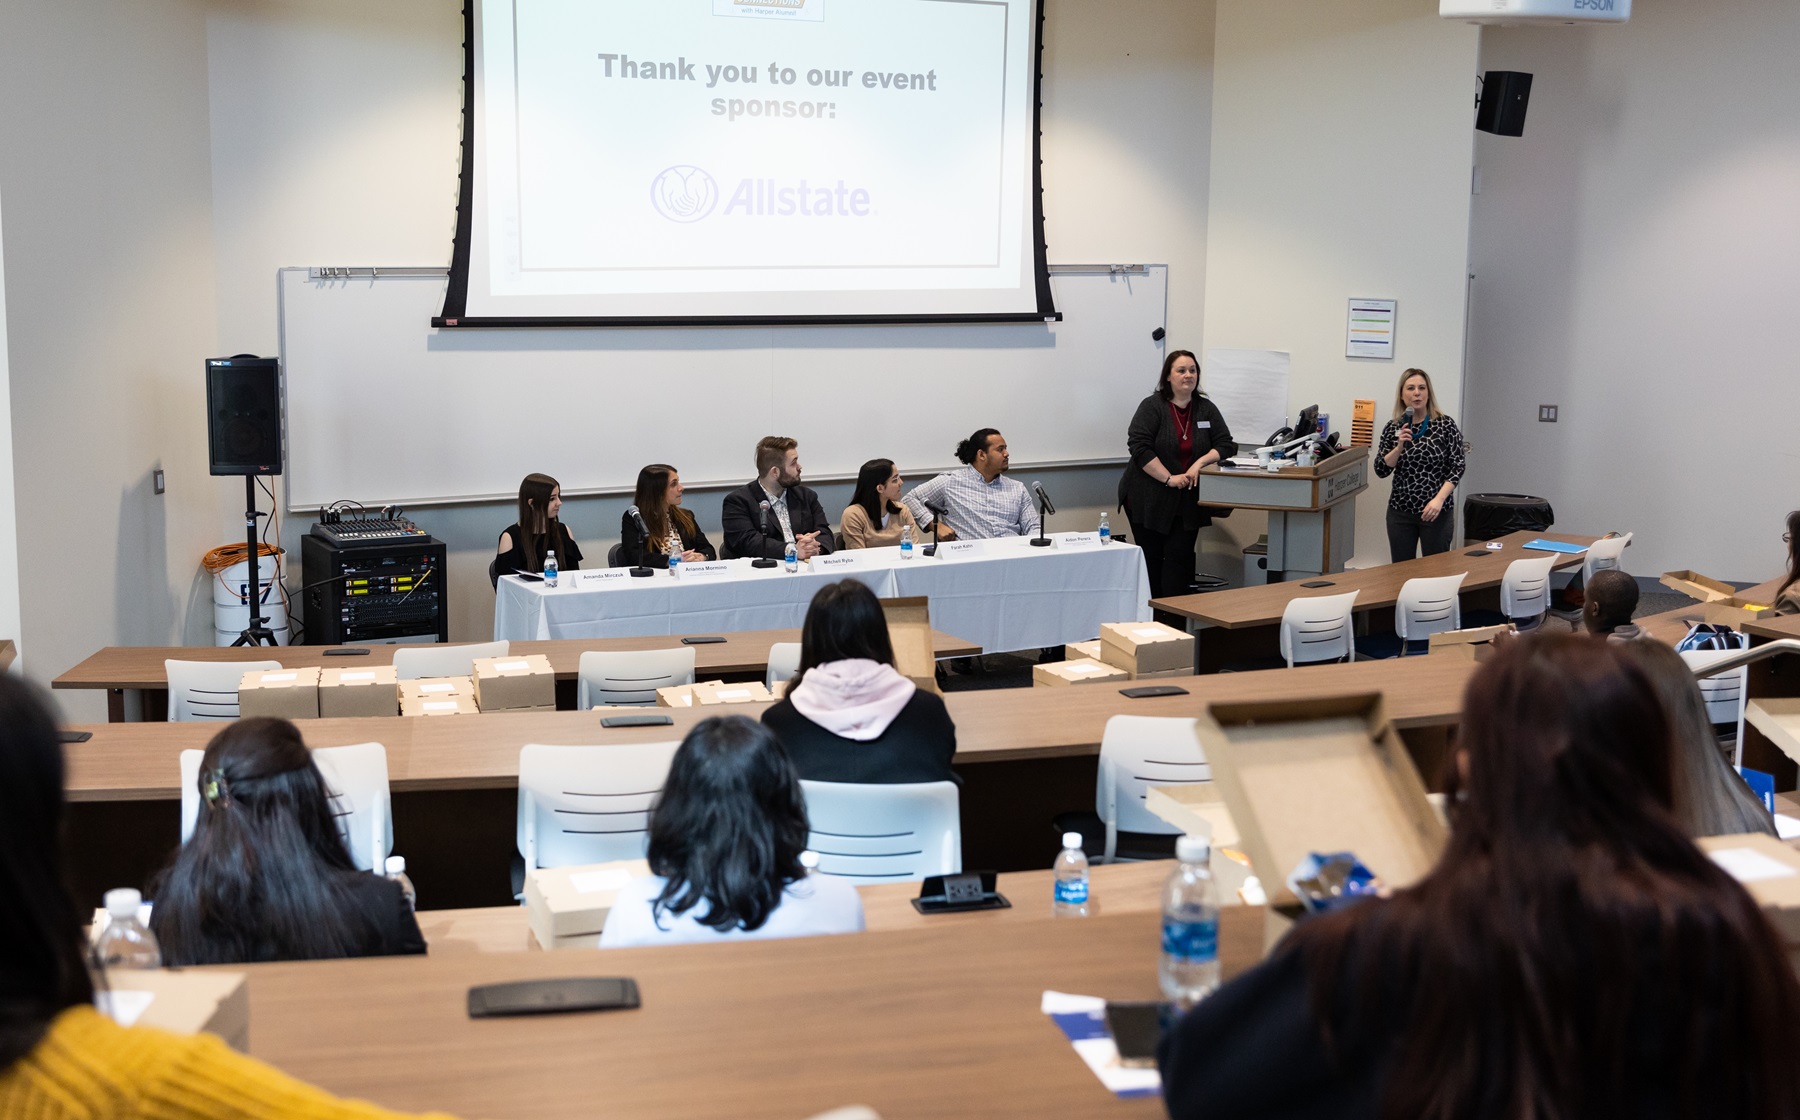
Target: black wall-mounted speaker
<point>1504,96</point>
<point>243,415</point>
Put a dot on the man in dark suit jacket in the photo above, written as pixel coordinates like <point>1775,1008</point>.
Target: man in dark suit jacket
<point>760,518</point>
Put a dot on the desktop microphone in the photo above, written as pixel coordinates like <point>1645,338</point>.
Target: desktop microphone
<point>1038,489</point>
<point>637,518</point>
<point>936,510</point>
<point>1045,509</point>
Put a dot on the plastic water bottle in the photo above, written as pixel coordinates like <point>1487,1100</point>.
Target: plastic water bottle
<point>791,558</point>
<point>125,943</point>
<point>396,870</point>
<point>906,542</point>
<point>675,565</point>
<point>1105,529</point>
<point>809,860</point>
<point>1189,970</point>
<point>549,569</point>
<point>1071,869</point>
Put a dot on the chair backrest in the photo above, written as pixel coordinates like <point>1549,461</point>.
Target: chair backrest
<point>357,777</point>
<point>631,676</point>
<point>784,662</point>
<point>1603,554</point>
<point>1525,589</point>
<point>613,554</point>
<point>414,662</point>
<point>1137,752</point>
<point>588,804</point>
<point>1723,692</point>
<point>207,690</point>
<point>871,833</point>
<point>1428,606</point>
<point>1318,628</point>
<point>494,573</point>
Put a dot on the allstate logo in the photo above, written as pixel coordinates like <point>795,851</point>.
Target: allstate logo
<point>683,193</point>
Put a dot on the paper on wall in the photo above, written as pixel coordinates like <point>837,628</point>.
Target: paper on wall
<point>1251,389</point>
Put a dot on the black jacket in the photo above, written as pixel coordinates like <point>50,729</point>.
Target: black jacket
<point>568,555</point>
<point>916,747</point>
<point>751,532</point>
<point>634,553</point>
<point>1152,435</point>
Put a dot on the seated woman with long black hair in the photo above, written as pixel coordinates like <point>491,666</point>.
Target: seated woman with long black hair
<point>1572,954</point>
<point>849,716</point>
<point>59,1056</point>
<point>266,875</point>
<point>538,530</point>
<point>725,843</point>
<point>875,518</point>
<point>672,528</point>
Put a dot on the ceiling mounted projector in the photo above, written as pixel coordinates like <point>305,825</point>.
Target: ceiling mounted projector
<point>1536,11</point>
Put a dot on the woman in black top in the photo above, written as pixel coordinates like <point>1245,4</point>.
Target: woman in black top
<point>1572,954</point>
<point>1422,448</point>
<point>1175,431</point>
<point>266,875</point>
<point>849,716</point>
<point>540,500</point>
<point>658,501</point>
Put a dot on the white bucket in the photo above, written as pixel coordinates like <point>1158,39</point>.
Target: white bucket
<point>232,586</point>
<point>231,613</point>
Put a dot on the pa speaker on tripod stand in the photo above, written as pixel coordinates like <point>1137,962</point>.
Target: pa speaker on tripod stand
<point>243,429</point>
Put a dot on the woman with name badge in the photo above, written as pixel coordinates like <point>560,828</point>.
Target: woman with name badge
<point>875,518</point>
<point>1423,449</point>
<point>1176,431</point>
<point>537,531</point>
<point>672,529</point>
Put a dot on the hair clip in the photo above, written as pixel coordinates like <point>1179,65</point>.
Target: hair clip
<point>215,788</point>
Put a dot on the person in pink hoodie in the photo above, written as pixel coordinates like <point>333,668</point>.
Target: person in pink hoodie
<point>849,716</point>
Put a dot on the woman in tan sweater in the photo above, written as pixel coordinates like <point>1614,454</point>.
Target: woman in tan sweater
<point>875,518</point>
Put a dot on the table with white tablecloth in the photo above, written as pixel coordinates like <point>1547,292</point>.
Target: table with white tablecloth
<point>1000,594</point>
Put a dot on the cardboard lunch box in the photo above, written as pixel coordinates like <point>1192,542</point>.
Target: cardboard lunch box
<point>1146,648</point>
<point>370,691</point>
<point>438,696</point>
<point>515,684</point>
<point>1735,611</point>
<point>1081,670</point>
<point>1770,871</point>
<point>909,629</point>
<point>185,1001</point>
<point>281,693</point>
<point>566,907</point>
<point>1475,643</point>
<point>1320,775</point>
<point>1696,586</point>
<point>1088,649</point>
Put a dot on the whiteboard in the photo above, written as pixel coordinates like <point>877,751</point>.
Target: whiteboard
<point>383,409</point>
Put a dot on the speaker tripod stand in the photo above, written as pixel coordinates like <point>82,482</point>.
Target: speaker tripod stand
<point>257,633</point>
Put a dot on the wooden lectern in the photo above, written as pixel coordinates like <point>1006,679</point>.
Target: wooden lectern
<point>1312,510</point>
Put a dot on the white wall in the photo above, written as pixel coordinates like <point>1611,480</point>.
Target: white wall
<point>1635,256</point>
<point>1342,141</point>
<point>9,533</point>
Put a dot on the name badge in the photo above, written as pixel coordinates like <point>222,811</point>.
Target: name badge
<point>710,569</point>
<point>957,550</point>
<point>1080,540</point>
<point>1203,423</point>
<point>837,562</point>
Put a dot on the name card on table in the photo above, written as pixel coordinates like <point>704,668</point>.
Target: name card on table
<point>600,575</point>
<point>1078,540</point>
<point>957,550</point>
<point>838,562</point>
<point>705,569</point>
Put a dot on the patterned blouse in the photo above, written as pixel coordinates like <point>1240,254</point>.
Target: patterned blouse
<point>1435,457</point>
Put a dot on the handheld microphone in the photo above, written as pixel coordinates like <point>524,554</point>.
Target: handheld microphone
<point>1409,416</point>
<point>1038,489</point>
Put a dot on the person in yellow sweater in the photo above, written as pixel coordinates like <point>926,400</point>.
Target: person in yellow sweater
<point>60,1059</point>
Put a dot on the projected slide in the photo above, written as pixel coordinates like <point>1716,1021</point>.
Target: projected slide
<point>762,158</point>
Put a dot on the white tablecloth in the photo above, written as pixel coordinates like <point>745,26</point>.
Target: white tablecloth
<point>1003,595</point>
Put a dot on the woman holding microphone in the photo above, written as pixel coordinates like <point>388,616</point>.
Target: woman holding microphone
<point>1175,431</point>
<point>1423,449</point>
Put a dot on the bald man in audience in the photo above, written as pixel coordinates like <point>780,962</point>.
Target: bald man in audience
<point>1612,596</point>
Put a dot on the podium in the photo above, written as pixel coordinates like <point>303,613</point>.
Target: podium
<point>1312,510</point>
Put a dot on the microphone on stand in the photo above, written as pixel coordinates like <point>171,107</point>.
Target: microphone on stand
<point>767,510</point>
<point>637,518</point>
<point>937,518</point>
<point>1045,506</point>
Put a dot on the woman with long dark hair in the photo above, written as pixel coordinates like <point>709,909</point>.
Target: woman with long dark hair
<point>672,528</point>
<point>848,715</point>
<point>538,530</point>
<point>1787,596</point>
<point>59,1057</point>
<point>875,518</point>
<point>1572,954</point>
<point>725,843</point>
<point>266,876</point>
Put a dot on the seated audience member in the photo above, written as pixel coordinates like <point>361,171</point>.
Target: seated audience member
<point>1571,954</point>
<point>59,1057</point>
<point>875,518</point>
<point>725,843</point>
<point>523,544</point>
<point>849,716</point>
<point>1787,596</point>
<point>1710,797</point>
<point>762,517</point>
<point>978,501</point>
<point>672,528</point>
<point>266,875</point>
<point>1612,596</point>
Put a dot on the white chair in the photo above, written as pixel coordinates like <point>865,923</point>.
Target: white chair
<point>207,690</point>
<point>1603,554</point>
<point>631,676</point>
<point>784,663</point>
<point>1525,591</point>
<point>884,833</point>
<point>1137,752</point>
<point>1724,695</point>
<point>1426,607</point>
<point>412,663</point>
<point>356,776</point>
<point>1318,628</point>
<point>588,804</point>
